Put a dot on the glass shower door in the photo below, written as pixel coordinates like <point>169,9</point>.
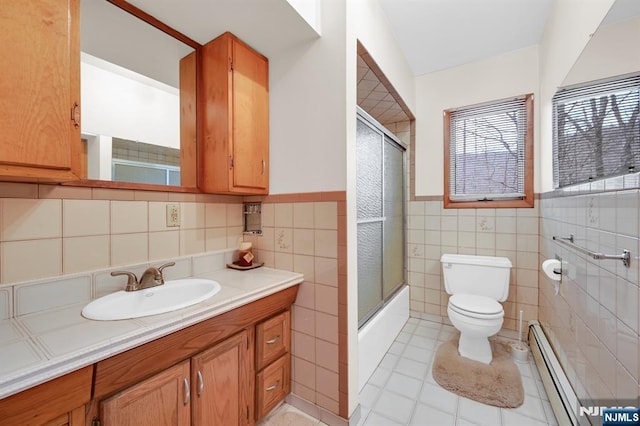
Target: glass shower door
<point>380,207</point>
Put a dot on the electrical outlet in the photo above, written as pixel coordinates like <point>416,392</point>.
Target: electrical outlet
<point>173,214</point>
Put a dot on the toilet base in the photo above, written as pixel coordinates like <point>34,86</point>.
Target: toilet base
<point>477,348</point>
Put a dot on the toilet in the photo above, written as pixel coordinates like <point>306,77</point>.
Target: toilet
<point>476,284</point>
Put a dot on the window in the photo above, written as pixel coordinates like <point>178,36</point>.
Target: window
<point>489,154</point>
<point>596,130</point>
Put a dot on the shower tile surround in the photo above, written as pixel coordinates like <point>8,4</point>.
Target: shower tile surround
<point>593,322</point>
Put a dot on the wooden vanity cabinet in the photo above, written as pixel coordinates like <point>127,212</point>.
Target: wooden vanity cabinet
<point>221,379</point>
<point>40,90</point>
<point>273,362</point>
<point>163,399</point>
<point>57,402</point>
<point>204,374</point>
<point>233,155</point>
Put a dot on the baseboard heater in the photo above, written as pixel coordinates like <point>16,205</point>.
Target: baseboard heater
<point>562,397</point>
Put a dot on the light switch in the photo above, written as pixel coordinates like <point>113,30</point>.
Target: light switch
<point>173,214</point>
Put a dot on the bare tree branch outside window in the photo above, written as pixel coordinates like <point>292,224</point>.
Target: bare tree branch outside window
<point>597,135</point>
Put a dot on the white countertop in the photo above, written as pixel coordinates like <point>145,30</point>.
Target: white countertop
<point>39,347</point>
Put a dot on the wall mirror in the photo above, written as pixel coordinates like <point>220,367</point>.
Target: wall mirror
<point>138,86</point>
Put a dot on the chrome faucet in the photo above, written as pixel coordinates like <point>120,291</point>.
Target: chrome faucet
<point>150,278</point>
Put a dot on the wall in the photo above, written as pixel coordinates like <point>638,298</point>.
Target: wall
<point>593,323</point>
<point>51,230</point>
<point>608,53</point>
<point>568,28</point>
<point>498,77</point>
<point>118,106</point>
<point>307,97</point>
<point>433,230</point>
<point>306,233</point>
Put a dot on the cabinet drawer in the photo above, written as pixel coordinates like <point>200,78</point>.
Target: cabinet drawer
<point>272,385</point>
<point>272,339</point>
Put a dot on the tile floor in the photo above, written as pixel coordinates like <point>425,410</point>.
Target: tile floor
<point>402,391</point>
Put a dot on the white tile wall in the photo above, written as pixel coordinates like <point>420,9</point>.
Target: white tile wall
<point>593,323</point>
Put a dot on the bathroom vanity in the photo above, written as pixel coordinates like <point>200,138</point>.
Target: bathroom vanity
<point>223,361</point>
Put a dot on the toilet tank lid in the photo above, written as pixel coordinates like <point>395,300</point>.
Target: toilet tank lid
<point>465,259</point>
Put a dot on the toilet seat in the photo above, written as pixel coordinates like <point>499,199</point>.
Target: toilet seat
<point>476,306</point>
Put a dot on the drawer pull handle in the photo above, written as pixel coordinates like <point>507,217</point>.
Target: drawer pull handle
<point>272,387</point>
<point>200,383</point>
<point>272,341</point>
<point>187,393</point>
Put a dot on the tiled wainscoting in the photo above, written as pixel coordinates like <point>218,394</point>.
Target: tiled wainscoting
<point>593,322</point>
<point>433,231</point>
<point>307,234</point>
<point>51,230</point>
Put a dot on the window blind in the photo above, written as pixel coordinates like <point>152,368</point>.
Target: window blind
<point>487,151</point>
<point>596,130</point>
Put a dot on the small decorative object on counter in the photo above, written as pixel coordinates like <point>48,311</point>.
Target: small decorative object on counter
<point>246,254</point>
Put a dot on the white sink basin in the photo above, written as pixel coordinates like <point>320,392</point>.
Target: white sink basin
<point>172,295</point>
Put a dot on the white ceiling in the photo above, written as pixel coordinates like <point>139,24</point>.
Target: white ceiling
<point>439,34</point>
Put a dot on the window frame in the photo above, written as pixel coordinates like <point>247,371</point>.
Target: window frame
<point>528,200</point>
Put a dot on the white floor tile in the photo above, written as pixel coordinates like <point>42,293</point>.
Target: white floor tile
<point>436,396</point>
<point>403,391</point>
<point>374,419</point>
<point>422,342</point>
<point>511,418</point>
<point>369,395</point>
<point>394,407</point>
<point>531,407</point>
<point>478,413</point>
<point>404,385</point>
<point>418,354</point>
<point>426,415</point>
<point>380,377</point>
<point>411,368</point>
<point>427,332</point>
<point>389,361</point>
<point>396,348</point>
<point>403,337</point>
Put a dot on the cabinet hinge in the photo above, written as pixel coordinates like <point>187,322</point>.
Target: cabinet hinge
<point>230,64</point>
<point>95,422</point>
<point>247,413</point>
<point>231,162</point>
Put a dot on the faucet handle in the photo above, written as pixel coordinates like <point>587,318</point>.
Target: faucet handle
<point>160,268</point>
<point>132,280</point>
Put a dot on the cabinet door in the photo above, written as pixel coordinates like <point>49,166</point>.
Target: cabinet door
<point>250,118</point>
<point>40,56</point>
<point>161,400</point>
<point>222,383</point>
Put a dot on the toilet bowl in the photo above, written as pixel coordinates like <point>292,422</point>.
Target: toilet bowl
<point>477,320</point>
<point>477,284</point>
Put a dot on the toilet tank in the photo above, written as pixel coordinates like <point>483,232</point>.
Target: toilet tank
<point>480,275</point>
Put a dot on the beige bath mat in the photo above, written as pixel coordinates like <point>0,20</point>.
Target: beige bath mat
<point>498,384</point>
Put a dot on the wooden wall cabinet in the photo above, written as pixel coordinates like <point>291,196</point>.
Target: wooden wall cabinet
<point>40,90</point>
<point>233,155</point>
